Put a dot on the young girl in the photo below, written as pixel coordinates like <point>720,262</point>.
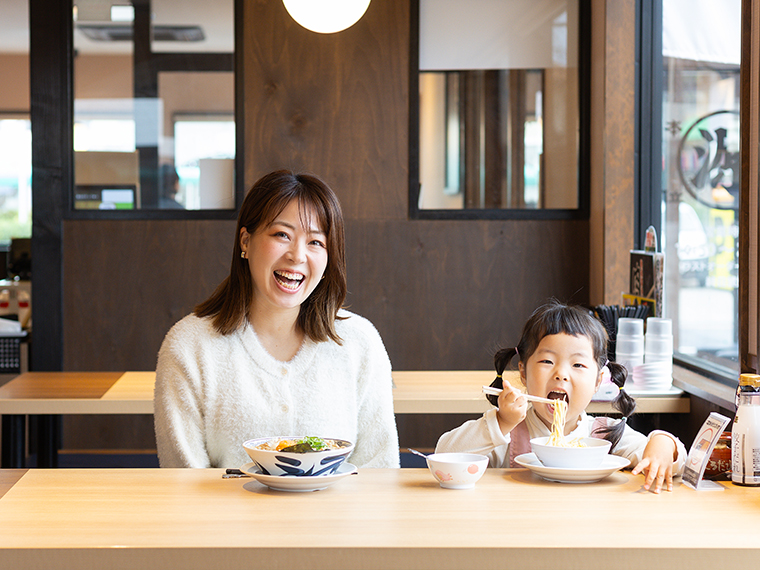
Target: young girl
<point>562,355</point>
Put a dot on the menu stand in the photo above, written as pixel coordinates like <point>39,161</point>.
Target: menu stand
<point>699,454</point>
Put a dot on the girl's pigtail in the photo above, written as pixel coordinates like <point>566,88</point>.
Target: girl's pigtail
<point>500,361</point>
<point>623,403</point>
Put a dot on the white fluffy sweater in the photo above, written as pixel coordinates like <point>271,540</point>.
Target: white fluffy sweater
<point>213,392</point>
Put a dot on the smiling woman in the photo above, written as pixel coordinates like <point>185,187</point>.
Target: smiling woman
<point>271,352</point>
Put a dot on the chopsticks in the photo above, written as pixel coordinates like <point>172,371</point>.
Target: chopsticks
<point>496,391</point>
<point>234,474</point>
<point>609,315</point>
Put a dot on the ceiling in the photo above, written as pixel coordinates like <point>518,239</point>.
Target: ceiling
<point>14,26</point>
<point>216,19</point>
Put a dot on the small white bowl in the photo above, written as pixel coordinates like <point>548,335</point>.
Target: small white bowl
<point>311,464</point>
<point>457,470</point>
<point>588,457</point>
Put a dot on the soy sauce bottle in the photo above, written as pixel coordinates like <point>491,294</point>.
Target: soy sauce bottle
<point>745,433</point>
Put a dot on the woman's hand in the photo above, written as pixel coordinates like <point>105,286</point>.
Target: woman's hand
<point>657,462</point>
<point>513,407</point>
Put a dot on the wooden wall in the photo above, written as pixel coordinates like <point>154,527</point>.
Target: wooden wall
<point>613,77</point>
<point>14,77</point>
<point>443,294</point>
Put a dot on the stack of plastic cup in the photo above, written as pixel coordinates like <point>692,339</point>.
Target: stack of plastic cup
<point>658,344</point>
<point>629,344</point>
<point>657,371</point>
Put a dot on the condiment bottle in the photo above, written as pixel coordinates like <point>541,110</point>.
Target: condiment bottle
<point>5,302</point>
<point>745,433</point>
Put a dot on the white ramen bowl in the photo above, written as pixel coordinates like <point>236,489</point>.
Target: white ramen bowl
<point>293,464</point>
<point>588,457</point>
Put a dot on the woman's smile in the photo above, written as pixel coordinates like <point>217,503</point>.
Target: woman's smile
<point>288,280</point>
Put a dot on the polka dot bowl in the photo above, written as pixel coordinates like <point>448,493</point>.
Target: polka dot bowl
<point>457,470</point>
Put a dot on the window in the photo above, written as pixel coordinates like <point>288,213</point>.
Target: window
<point>204,150</point>
<point>15,178</point>
<point>697,205</point>
<point>140,67</point>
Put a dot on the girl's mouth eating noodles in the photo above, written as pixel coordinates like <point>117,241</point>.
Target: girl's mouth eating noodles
<point>557,395</point>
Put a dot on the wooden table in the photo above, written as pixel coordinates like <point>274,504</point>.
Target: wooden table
<point>416,392</point>
<point>378,519</point>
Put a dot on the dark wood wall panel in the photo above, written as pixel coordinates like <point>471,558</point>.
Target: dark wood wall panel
<point>335,105</point>
<point>127,282</point>
<point>444,294</point>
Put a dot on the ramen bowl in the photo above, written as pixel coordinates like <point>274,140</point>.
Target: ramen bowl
<point>588,457</point>
<point>285,463</point>
<point>457,470</point>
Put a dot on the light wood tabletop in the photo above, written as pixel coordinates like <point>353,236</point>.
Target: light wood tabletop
<point>415,392</point>
<point>384,518</point>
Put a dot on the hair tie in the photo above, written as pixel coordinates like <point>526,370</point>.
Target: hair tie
<point>498,375</point>
<point>517,352</point>
<point>624,419</point>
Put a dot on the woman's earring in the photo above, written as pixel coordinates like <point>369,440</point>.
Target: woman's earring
<point>242,254</point>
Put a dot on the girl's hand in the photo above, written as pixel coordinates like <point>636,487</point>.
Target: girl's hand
<point>657,462</point>
<point>513,407</point>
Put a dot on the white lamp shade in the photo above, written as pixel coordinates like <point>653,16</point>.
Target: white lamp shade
<point>326,16</point>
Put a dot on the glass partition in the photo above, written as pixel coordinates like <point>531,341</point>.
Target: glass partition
<point>140,67</point>
<point>499,107</point>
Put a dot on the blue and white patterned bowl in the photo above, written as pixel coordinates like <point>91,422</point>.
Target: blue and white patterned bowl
<point>310,464</point>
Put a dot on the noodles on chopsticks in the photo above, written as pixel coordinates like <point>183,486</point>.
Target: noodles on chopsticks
<point>557,437</point>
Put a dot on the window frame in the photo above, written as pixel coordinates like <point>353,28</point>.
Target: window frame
<point>582,212</point>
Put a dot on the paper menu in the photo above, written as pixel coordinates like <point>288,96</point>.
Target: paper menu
<point>700,451</point>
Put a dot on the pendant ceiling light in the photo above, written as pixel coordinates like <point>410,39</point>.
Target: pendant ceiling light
<point>326,16</point>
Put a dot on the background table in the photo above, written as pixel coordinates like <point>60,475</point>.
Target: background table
<point>380,518</point>
<point>415,392</point>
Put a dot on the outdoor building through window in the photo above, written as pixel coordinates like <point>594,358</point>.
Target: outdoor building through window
<point>15,179</point>
<point>700,178</point>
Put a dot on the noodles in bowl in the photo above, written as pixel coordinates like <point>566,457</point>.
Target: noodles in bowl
<point>588,454</point>
<point>302,445</point>
<point>557,451</point>
<point>298,456</point>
